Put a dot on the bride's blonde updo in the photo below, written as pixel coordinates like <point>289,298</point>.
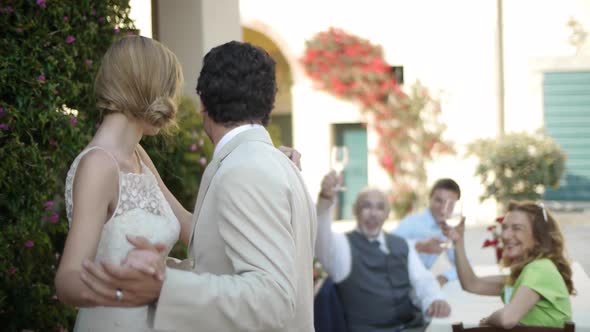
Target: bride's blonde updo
<point>141,78</point>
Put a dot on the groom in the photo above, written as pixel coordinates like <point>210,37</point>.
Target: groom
<point>254,223</point>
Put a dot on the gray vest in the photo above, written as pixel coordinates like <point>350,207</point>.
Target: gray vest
<point>376,294</point>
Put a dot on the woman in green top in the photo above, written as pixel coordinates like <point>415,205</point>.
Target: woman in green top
<point>537,290</point>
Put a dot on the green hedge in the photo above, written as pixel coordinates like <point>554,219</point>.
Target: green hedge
<point>49,54</point>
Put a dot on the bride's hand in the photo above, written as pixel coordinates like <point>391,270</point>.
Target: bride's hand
<point>292,154</point>
<point>146,257</point>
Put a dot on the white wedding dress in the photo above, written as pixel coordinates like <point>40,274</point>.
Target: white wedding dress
<point>142,210</point>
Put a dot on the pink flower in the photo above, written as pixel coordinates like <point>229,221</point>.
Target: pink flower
<point>193,147</point>
<point>54,218</point>
<point>66,18</point>
<point>29,243</point>
<point>117,30</point>
<point>41,3</point>
<point>88,62</point>
<point>4,126</point>
<point>74,121</point>
<point>12,270</point>
<point>49,205</point>
<point>41,78</point>
<point>70,39</point>
<point>203,161</point>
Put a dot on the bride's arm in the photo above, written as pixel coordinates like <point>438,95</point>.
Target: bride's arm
<point>95,188</point>
<point>184,217</point>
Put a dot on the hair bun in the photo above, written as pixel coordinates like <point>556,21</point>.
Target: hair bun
<point>161,112</point>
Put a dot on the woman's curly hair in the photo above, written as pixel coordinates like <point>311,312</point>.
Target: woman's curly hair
<point>549,243</point>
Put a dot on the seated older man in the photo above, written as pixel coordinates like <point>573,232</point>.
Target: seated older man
<point>381,281</point>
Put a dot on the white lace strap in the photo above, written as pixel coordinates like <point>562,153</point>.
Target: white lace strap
<point>72,174</point>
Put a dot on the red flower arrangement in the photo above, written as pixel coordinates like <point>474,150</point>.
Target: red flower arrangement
<point>495,241</point>
<point>409,131</point>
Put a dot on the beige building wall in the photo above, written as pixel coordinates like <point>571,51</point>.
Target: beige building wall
<point>190,28</point>
<point>450,46</point>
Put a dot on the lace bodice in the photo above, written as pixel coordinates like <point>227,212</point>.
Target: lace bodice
<point>142,210</point>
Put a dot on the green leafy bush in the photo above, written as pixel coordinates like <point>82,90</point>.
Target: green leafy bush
<point>49,54</point>
<point>518,166</point>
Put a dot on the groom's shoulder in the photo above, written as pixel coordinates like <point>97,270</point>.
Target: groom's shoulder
<point>254,158</point>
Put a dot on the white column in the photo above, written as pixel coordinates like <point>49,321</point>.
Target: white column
<point>190,28</point>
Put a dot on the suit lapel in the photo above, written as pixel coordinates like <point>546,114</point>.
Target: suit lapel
<point>257,134</point>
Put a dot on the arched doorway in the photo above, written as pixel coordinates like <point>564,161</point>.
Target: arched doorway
<point>281,120</point>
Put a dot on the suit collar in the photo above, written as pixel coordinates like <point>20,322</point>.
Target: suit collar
<point>231,134</point>
<point>254,134</point>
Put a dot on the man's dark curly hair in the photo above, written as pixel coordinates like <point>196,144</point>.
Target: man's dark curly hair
<point>237,84</point>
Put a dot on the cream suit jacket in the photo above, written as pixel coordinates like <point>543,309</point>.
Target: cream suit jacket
<point>253,238</point>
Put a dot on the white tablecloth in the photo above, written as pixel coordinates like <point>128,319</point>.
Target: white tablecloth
<point>470,308</point>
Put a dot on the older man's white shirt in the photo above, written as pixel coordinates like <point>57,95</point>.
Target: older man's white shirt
<point>333,251</point>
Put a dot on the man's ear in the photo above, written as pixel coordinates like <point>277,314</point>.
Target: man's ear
<point>202,109</point>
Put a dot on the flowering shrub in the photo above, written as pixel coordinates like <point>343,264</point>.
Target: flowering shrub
<point>409,131</point>
<point>402,198</point>
<point>495,241</point>
<point>50,52</point>
<point>518,166</point>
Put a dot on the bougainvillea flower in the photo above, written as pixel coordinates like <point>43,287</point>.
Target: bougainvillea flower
<point>70,39</point>
<point>490,243</point>
<point>54,218</point>
<point>29,243</point>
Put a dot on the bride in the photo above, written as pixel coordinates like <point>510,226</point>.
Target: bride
<point>112,187</point>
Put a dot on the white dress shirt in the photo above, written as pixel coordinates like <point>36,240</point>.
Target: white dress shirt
<point>231,134</point>
<point>333,251</point>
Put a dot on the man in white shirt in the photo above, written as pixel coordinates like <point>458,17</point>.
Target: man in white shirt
<point>379,277</point>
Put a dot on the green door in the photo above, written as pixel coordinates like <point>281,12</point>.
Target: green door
<point>353,136</point>
<point>567,121</point>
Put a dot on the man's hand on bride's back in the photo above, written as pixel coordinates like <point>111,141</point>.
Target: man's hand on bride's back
<point>146,257</point>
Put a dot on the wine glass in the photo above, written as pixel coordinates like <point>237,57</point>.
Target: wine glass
<point>338,161</point>
<point>454,212</point>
